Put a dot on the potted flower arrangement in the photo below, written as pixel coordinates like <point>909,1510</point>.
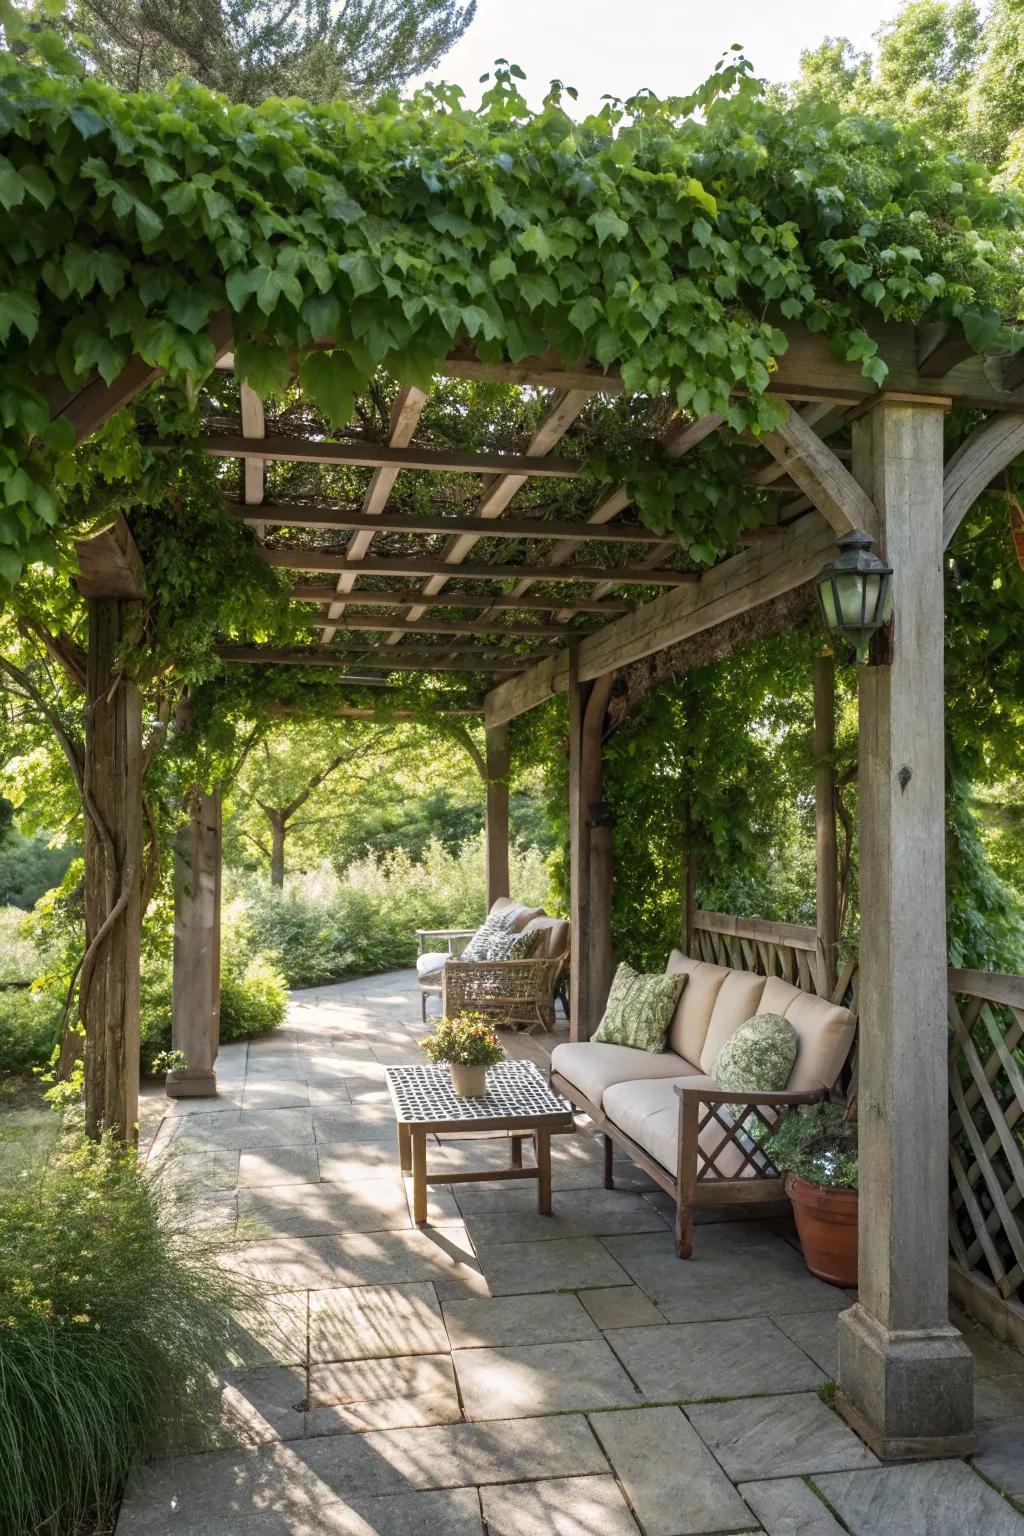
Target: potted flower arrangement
<point>816,1148</point>
<point>469,1045</point>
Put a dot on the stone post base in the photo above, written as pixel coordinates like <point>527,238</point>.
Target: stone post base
<point>908,1393</point>
<point>191,1085</point>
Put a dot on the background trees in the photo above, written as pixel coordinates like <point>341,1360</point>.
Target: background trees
<point>251,49</point>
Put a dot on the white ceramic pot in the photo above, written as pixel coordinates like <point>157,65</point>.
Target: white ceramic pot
<point>468,1082</point>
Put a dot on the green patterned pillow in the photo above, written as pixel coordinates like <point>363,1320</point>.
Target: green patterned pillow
<point>639,1009</point>
<point>758,1057</point>
<point>515,946</point>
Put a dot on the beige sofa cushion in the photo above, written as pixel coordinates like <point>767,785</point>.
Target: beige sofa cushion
<point>689,1027</point>
<point>739,999</point>
<point>778,995</point>
<point>593,1067</point>
<point>826,1034</point>
<point>649,1113</point>
<point>556,935</point>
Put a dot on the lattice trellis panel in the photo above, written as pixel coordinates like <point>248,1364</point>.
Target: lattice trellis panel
<point>986,1152</point>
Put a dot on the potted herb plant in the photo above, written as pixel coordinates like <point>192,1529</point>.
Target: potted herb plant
<point>816,1148</point>
<point>469,1045</point>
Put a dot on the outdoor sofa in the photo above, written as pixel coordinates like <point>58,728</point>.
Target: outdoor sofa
<point>665,1108</point>
<point>516,993</point>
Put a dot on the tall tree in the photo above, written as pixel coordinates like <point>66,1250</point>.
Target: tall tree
<point>251,49</point>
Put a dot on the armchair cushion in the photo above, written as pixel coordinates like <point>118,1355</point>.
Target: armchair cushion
<point>758,1057</point>
<point>593,1068</point>
<point>639,1009</point>
<point>430,966</point>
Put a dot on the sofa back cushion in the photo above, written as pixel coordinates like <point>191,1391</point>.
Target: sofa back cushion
<point>826,1034</point>
<point>556,936</point>
<point>514,915</point>
<point>689,1027</point>
<point>739,999</point>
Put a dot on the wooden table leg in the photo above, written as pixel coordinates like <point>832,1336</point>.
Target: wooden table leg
<point>516,1158</point>
<point>543,1144</point>
<point>404,1148</point>
<point>419,1175</point>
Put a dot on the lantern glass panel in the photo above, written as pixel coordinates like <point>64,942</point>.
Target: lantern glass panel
<point>850,595</point>
<point>827,596</point>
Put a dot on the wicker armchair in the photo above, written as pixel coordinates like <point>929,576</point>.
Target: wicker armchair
<point>515,993</point>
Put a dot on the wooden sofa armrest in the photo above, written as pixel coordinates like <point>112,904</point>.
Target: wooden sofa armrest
<point>780,1097</point>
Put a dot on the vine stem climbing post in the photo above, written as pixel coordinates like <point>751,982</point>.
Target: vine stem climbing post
<point>904,1372</point>
<point>826,860</point>
<point>195,1005</point>
<point>496,830</point>
<point>111,581</point>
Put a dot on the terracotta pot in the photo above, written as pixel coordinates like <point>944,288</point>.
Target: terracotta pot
<point>826,1222</point>
<point>468,1082</point>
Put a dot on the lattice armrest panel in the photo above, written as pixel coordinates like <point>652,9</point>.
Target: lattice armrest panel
<point>471,982</point>
<point>721,1126</point>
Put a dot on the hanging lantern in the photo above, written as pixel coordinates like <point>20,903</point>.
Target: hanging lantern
<point>855,593</point>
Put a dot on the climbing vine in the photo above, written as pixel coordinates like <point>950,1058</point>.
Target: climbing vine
<point>668,239</point>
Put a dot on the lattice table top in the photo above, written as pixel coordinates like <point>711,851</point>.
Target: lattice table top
<point>516,1093</point>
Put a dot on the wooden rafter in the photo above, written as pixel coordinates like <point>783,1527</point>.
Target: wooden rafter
<point>323,592</point>
<point>328,656</point>
<point>564,409</point>
<point>382,456</point>
<point>317,709</point>
<point>291,516</point>
<point>455,627</point>
<point>405,413</point>
<point>485,653</point>
<point>416,565</point>
<point>254,471</point>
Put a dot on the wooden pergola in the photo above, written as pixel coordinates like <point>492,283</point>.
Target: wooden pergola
<point>905,1376</point>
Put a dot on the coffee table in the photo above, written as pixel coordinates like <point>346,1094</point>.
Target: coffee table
<point>518,1102</point>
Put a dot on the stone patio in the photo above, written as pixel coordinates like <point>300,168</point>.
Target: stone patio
<point>500,1373</point>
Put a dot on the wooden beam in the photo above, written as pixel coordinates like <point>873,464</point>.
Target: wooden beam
<point>317,709</point>
<point>109,563</point>
<point>323,656</point>
<point>323,592</point>
<point>1012,372</point>
<point>405,414</point>
<point>748,579</point>
<point>986,453</point>
<point>290,516</point>
<point>384,622</point>
<point>195,989</point>
<point>799,450</point>
<point>941,345</point>
<point>365,649</point>
<point>823,746</point>
<point>254,424</point>
<point>414,565</point>
<point>383,456</point>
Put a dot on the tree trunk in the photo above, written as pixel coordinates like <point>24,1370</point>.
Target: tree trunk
<point>109,996</point>
<point>278,833</point>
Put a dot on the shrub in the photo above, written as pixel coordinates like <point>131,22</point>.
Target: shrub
<point>819,1144</point>
<point>111,1306</point>
<point>19,958</point>
<point>28,1028</point>
<point>252,1002</point>
<point>325,926</point>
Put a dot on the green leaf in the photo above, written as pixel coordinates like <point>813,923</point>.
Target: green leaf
<point>332,382</point>
<point>20,310</point>
<point>11,566</point>
<point>608,226</point>
<point>361,272</point>
<point>12,188</point>
<point>700,194</point>
<point>267,368</point>
<point>501,267</point>
<point>88,122</point>
<point>534,239</point>
<point>321,312</point>
<point>189,308</point>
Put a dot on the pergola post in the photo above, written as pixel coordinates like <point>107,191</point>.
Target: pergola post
<point>195,1001</point>
<point>496,827</point>
<point>111,581</point>
<point>590,899</point>
<point>826,856</point>
<point>904,1372</point>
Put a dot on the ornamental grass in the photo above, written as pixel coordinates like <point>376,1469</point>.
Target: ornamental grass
<point>112,1307</point>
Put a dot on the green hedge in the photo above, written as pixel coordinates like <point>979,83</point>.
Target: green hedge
<point>28,1028</point>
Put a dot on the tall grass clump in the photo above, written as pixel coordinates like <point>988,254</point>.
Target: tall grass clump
<point>112,1308</point>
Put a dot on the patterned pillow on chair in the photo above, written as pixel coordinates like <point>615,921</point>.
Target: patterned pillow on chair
<point>516,946</point>
<point>479,946</point>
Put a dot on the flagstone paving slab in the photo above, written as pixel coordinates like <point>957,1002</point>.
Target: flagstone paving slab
<point>786,1506</point>
<point>570,1506</point>
<point>673,1483</point>
<point>447,1512</point>
<point>545,1319</point>
<point>817,1334</point>
<point>695,1361</point>
<point>274,1332</point>
<point>374,1322</point>
<point>621,1306</point>
<point>787,1436</point>
<point>356,1395</point>
<point>564,1264</point>
<point>265,1404</point>
<point>739,1269</point>
<point>923,1499</point>
<point>278,1165</point>
<point>575,1213</point>
<point>253,1129</point>
<point>511,1382</point>
<point>360,1258</point>
<point>1001,1455</point>
<point>314,1210</point>
<point>357,1160</point>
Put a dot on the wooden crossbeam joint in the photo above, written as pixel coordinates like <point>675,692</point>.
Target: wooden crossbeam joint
<point>109,563</point>
<point>821,475</point>
<point>941,345</point>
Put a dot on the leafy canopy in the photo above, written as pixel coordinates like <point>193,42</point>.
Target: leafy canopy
<point>653,240</point>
